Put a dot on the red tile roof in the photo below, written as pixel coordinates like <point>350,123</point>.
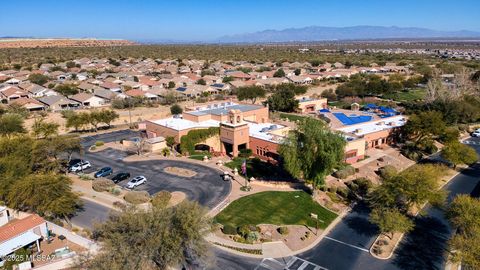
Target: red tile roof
<point>135,93</point>
<point>19,226</point>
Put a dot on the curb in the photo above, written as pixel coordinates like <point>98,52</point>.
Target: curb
<point>403,234</point>
<point>310,246</point>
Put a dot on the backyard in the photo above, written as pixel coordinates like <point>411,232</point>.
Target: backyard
<point>275,207</point>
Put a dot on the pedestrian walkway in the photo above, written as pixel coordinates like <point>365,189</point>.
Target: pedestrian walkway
<point>102,198</point>
<point>288,263</point>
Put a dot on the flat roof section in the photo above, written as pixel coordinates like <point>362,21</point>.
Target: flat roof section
<point>182,124</point>
<point>374,126</point>
<point>262,131</point>
<point>224,110</point>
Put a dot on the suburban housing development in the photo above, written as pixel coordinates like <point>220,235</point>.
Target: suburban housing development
<point>228,135</point>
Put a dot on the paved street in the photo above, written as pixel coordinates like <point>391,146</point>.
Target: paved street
<point>345,246</point>
<point>92,212</point>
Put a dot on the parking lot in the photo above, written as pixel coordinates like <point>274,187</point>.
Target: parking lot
<point>207,186</point>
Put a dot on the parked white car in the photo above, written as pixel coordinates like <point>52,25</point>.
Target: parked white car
<point>136,181</point>
<point>476,133</point>
<point>82,165</point>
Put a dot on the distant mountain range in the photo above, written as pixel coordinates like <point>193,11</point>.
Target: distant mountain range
<point>321,33</point>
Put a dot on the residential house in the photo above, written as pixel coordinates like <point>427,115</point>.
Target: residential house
<point>105,94</point>
<point>9,93</point>
<point>29,103</point>
<point>37,91</point>
<point>88,100</point>
<point>59,103</point>
<point>19,233</point>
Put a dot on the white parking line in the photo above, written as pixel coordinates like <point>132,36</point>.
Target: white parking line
<point>347,244</point>
<point>274,264</point>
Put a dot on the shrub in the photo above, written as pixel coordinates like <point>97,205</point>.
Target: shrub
<point>332,189</point>
<point>252,237</point>
<point>343,192</point>
<point>115,191</point>
<point>176,109</point>
<point>387,171</point>
<point>102,184</point>
<point>137,197</point>
<point>99,143</point>
<point>229,229</point>
<point>345,172</point>
<point>120,205</point>
<point>283,230</point>
<point>85,177</point>
<point>161,199</point>
<point>243,230</point>
<point>245,153</point>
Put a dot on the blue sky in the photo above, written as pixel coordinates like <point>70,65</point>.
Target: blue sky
<point>208,19</point>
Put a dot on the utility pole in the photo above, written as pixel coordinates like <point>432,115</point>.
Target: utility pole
<point>130,111</point>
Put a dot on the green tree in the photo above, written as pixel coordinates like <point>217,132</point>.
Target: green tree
<point>11,124</point>
<point>170,141</point>
<point>283,100</point>
<point>279,73</point>
<point>67,89</point>
<point>77,120</point>
<point>171,84</point>
<point>108,116</point>
<point>70,64</point>
<point>38,78</point>
<point>297,71</point>
<point>412,187</point>
<point>458,153</point>
<point>46,194</point>
<point>464,215</point>
<point>160,238</point>
<point>250,93</point>
<point>176,109</point>
<point>94,118</point>
<point>201,82</point>
<point>390,221</point>
<point>312,151</point>
<point>297,89</point>
<point>227,79</point>
<point>42,129</point>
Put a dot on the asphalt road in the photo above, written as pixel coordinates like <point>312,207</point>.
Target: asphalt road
<point>90,214</point>
<point>206,187</point>
<point>345,247</point>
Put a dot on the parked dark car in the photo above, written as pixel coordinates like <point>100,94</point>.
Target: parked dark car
<point>105,171</point>
<point>120,177</point>
<point>74,162</point>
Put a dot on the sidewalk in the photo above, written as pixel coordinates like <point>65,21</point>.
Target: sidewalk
<point>276,249</point>
<point>102,198</point>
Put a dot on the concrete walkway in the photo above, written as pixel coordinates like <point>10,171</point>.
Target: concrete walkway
<point>102,198</point>
<point>276,249</point>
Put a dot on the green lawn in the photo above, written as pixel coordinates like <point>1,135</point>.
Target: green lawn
<point>198,155</point>
<point>292,117</point>
<point>407,96</point>
<point>275,207</point>
<point>259,169</point>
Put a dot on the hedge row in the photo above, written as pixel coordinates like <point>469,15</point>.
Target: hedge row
<point>193,137</point>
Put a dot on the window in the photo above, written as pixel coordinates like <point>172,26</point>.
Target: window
<point>351,154</point>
